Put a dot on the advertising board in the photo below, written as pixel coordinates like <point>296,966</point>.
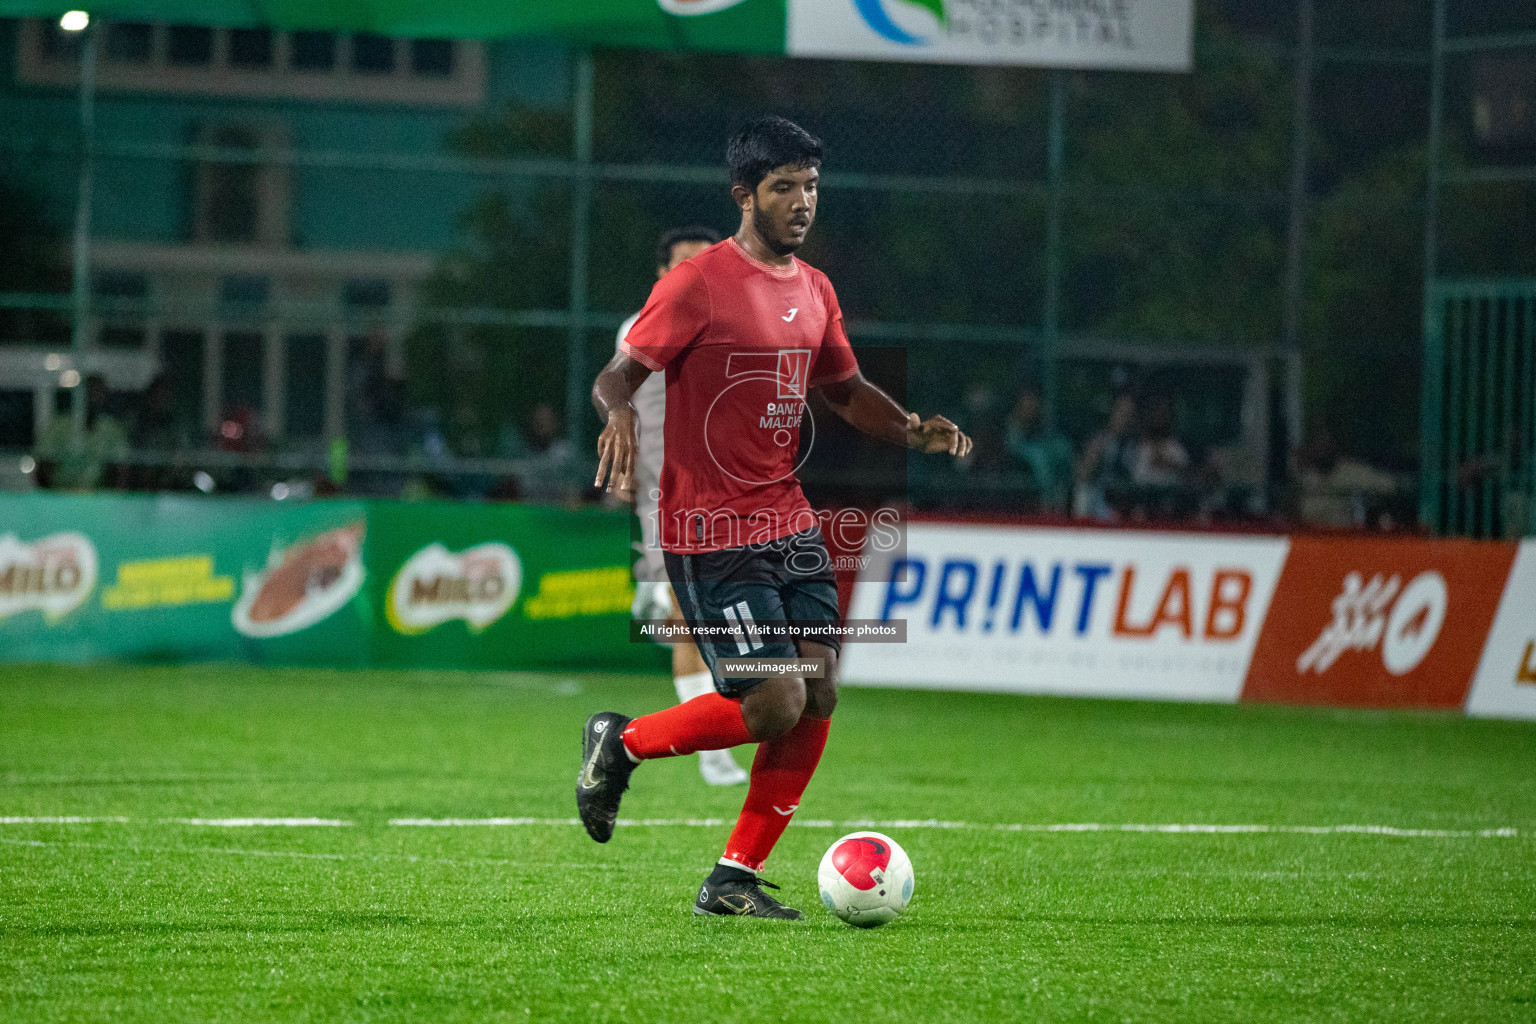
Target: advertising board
<point>1505,684</point>
<point>1084,612</point>
<point>1361,622</point>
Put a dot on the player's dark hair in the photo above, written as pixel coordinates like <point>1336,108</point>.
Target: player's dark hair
<point>767,143</point>
<point>677,236</point>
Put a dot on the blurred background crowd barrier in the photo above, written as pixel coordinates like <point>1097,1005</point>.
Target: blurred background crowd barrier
<point>1290,287</point>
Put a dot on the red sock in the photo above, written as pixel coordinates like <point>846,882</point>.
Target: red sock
<point>780,773</point>
<point>710,722</point>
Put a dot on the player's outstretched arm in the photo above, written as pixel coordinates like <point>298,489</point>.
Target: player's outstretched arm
<point>617,444</point>
<point>870,409</point>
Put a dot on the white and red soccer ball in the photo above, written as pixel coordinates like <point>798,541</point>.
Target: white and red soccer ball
<point>866,879</point>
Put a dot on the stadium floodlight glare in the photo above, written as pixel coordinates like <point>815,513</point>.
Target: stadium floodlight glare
<point>75,21</point>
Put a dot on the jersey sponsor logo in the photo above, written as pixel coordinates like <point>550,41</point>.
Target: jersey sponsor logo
<point>53,575</point>
<point>784,412</point>
<point>435,585</point>
<point>691,8</point>
<point>303,585</point>
<point>793,369</point>
<point>789,317</point>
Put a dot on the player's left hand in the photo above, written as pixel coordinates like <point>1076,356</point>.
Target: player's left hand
<point>937,435</point>
<point>617,448</point>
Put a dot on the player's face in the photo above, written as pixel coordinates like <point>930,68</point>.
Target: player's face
<point>784,207</point>
<point>680,252</point>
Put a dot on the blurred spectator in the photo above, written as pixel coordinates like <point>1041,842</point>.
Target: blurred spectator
<point>1042,452</point>
<point>1335,490</point>
<point>238,432</point>
<point>1160,466</point>
<point>1230,483</point>
<point>981,423</point>
<point>94,461</point>
<point>1104,470</point>
<point>155,429</point>
<point>367,376</point>
<point>550,458</point>
<point>155,426</point>
<point>379,431</point>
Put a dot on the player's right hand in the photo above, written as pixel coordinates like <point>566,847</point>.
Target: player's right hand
<point>937,435</point>
<point>617,446</point>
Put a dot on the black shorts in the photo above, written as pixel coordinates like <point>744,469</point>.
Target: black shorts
<point>785,580</point>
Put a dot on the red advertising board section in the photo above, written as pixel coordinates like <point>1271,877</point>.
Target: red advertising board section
<point>1378,623</point>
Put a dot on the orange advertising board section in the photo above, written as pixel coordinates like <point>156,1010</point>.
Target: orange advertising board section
<point>1378,623</point>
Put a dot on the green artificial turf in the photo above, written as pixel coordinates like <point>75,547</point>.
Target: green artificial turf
<point>153,920</point>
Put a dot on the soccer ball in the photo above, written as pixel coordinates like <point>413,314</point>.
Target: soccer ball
<point>866,879</point>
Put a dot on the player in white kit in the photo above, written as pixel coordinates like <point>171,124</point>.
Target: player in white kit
<point>654,599</point>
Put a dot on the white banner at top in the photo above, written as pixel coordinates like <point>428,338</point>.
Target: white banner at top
<point>1128,35</point>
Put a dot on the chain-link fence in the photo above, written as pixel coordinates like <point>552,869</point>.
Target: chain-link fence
<point>345,262</point>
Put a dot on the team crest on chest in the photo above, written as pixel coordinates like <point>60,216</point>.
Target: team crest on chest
<point>794,367</point>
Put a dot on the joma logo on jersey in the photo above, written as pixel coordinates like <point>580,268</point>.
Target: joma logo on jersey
<point>794,368</point>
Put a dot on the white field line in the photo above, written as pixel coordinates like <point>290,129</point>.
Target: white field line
<point>898,823</point>
<point>261,822</point>
<point>71,820</point>
<point>213,822</point>
<point>934,823</point>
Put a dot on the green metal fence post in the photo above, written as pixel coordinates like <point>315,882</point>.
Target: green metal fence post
<point>84,200</point>
<point>1296,231</point>
<point>576,383</point>
<point>1056,163</point>
<point>1430,412</point>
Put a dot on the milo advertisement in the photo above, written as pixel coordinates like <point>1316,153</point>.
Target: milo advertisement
<point>174,578</point>
<point>493,586</point>
<point>338,583</point>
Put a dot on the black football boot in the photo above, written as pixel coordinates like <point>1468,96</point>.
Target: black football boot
<point>735,892</point>
<point>604,776</point>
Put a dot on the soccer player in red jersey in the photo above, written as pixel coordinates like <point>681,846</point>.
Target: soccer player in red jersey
<point>742,331</point>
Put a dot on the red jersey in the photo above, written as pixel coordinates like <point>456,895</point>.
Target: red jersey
<point>741,343</point>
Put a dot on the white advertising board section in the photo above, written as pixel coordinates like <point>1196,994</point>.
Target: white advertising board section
<point>1505,684</point>
<point>1078,612</point>
<point>1143,35</point>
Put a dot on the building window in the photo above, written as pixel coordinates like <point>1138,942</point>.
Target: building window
<point>231,207</point>
<point>432,57</point>
<point>313,51</point>
<point>188,46</point>
<point>58,44</point>
<point>250,48</point>
<point>258,64</point>
<point>121,337</point>
<point>121,284</point>
<point>130,42</point>
<point>373,54</point>
<point>245,290</point>
<point>366,291</point>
